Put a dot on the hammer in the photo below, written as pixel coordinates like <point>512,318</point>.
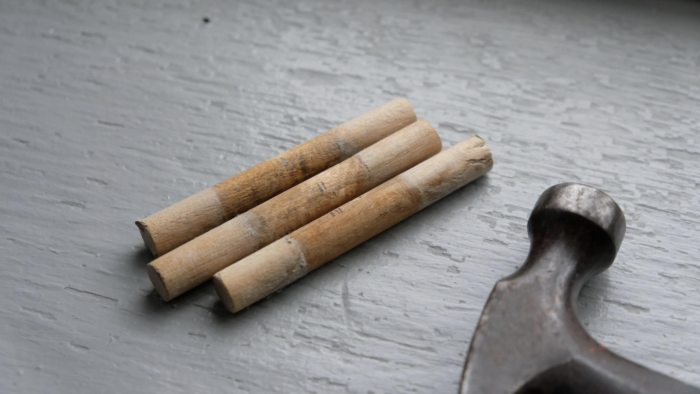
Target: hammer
<point>529,339</point>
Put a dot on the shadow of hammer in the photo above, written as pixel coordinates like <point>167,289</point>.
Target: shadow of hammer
<point>529,339</point>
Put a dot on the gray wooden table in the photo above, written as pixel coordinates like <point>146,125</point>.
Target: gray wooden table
<point>112,110</point>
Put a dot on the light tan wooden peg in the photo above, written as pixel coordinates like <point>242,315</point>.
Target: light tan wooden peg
<point>196,261</point>
<point>181,222</point>
<point>311,246</point>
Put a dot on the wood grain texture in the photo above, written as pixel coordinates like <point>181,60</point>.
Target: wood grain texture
<point>114,110</point>
<point>185,220</point>
<point>306,249</point>
<point>198,260</point>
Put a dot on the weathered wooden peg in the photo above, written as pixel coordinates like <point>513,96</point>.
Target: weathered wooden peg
<point>313,245</point>
<point>196,261</point>
<point>181,222</point>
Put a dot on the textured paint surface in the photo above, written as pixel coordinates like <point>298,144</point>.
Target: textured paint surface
<point>110,111</point>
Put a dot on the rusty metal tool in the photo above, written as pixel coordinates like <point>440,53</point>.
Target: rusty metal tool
<point>529,339</point>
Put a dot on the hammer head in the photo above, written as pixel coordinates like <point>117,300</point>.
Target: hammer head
<point>581,219</point>
<point>529,339</point>
<point>528,329</point>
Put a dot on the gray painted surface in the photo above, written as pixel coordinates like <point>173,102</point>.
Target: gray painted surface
<point>110,111</point>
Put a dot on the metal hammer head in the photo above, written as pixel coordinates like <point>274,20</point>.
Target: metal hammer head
<point>529,339</point>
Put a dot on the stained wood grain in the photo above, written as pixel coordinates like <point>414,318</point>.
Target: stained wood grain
<point>112,110</point>
<point>290,258</point>
<point>185,220</point>
<point>198,260</point>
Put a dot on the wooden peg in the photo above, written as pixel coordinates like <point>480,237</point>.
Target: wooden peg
<point>181,222</point>
<point>196,261</point>
<point>290,258</point>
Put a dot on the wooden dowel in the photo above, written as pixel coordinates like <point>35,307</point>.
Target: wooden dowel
<point>181,222</point>
<point>311,246</point>
<point>196,261</point>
